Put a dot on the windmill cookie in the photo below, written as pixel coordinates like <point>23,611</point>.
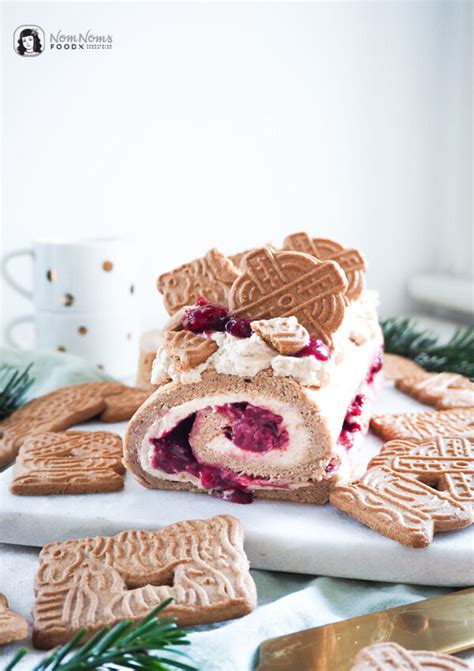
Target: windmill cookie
<point>396,367</point>
<point>422,425</point>
<point>13,627</point>
<point>69,463</point>
<point>122,406</point>
<point>351,260</point>
<point>210,277</point>
<point>389,656</point>
<point>284,334</point>
<point>65,407</point>
<point>444,463</point>
<point>237,258</point>
<point>56,411</point>
<point>99,581</point>
<point>400,507</point>
<point>284,284</point>
<point>442,390</point>
<point>187,350</point>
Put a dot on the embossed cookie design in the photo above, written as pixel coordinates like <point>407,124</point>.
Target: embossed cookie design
<point>393,657</point>
<point>209,277</point>
<point>13,627</point>
<point>99,581</point>
<point>444,463</point>
<point>413,490</point>
<point>187,350</point>
<point>442,390</point>
<point>285,284</point>
<point>73,462</point>
<point>284,334</point>
<point>350,260</point>
<point>422,425</point>
<point>400,507</point>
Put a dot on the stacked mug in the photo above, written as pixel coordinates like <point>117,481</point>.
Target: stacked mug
<point>84,300</point>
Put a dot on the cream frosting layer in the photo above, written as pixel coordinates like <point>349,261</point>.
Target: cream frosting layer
<point>246,357</point>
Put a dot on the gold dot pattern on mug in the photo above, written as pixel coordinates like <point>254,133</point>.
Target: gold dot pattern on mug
<point>61,348</point>
<point>107,266</point>
<point>68,300</point>
<point>52,275</point>
<point>82,330</point>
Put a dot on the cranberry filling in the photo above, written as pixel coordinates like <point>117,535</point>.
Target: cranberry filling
<point>350,425</point>
<point>254,428</point>
<point>376,366</point>
<point>238,327</point>
<point>357,405</point>
<point>250,427</point>
<point>173,454</point>
<point>331,466</point>
<point>205,317</point>
<point>315,348</point>
<point>354,420</point>
<point>208,318</point>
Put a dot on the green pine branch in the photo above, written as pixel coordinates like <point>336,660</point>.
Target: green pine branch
<point>14,385</point>
<point>126,644</point>
<point>457,355</point>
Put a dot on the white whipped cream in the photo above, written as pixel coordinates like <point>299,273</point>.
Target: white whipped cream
<point>163,369</point>
<point>240,356</point>
<point>244,357</point>
<point>362,321</point>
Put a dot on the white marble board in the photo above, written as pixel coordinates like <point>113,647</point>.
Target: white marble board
<point>279,536</point>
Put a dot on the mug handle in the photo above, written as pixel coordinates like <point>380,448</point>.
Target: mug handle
<point>27,251</point>
<point>11,327</point>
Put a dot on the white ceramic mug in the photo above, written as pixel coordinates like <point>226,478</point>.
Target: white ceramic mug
<point>79,275</point>
<point>108,341</point>
<point>84,299</point>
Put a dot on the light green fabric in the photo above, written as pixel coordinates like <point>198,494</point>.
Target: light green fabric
<point>50,370</point>
<point>287,602</point>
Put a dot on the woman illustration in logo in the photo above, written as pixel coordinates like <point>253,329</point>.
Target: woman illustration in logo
<point>29,43</point>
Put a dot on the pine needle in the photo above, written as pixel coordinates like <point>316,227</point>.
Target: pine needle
<point>457,355</point>
<point>13,387</point>
<point>126,644</point>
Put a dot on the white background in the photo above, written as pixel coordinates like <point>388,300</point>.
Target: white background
<point>232,124</point>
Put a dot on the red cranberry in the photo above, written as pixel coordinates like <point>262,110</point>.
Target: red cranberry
<point>205,318</point>
<point>376,366</point>
<point>331,467</point>
<point>254,428</point>
<point>352,427</point>
<point>173,452</point>
<point>357,405</point>
<point>346,438</point>
<point>211,477</point>
<point>238,327</point>
<point>202,301</point>
<point>315,348</point>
